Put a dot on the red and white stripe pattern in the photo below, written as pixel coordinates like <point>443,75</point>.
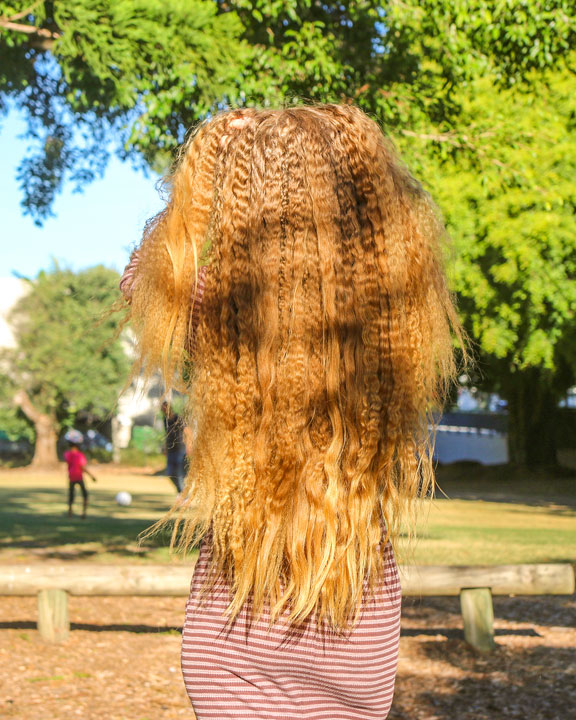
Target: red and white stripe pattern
<point>250,671</point>
<point>198,294</point>
<point>127,279</point>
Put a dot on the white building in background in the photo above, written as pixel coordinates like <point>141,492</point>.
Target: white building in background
<point>139,405</point>
<point>457,443</point>
<point>11,290</point>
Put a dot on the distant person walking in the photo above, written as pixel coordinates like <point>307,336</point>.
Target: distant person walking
<point>174,446</point>
<point>77,466</point>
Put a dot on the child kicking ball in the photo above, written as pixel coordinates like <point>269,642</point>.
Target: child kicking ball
<point>77,467</point>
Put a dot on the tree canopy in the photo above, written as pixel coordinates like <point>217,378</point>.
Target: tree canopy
<point>66,359</point>
<point>131,76</point>
<point>509,202</point>
<point>505,182</point>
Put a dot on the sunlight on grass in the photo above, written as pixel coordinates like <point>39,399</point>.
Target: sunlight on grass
<point>34,520</point>
<point>470,532</point>
<point>462,531</point>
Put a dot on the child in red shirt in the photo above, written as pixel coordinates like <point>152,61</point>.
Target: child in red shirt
<point>76,461</point>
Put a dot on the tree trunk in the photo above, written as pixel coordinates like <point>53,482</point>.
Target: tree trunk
<point>532,416</point>
<point>45,450</point>
<point>46,426</point>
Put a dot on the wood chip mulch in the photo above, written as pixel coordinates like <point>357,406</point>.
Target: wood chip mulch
<point>121,662</point>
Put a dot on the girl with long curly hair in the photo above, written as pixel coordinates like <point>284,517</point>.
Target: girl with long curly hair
<point>293,287</point>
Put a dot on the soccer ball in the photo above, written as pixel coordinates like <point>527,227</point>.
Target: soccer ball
<point>124,498</point>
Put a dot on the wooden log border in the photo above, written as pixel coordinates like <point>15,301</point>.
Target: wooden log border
<point>474,584</point>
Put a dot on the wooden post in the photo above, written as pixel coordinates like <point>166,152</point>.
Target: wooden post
<point>478,616</point>
<point>53,623</point>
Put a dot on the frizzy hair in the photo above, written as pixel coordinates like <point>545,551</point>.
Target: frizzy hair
<point>324,343</point>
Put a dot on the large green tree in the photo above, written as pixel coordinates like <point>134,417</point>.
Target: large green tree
<point>504,178</point>
<point>95,76</point>
<point>65,360</point>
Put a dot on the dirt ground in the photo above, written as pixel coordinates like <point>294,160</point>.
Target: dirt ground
<point>121,662</point>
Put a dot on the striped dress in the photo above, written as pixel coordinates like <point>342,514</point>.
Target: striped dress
<point>254,672</point>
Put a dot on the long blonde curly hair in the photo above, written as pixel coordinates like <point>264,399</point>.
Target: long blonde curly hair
<point>323,345</point>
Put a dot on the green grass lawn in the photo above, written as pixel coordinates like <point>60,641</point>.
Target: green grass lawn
<point>488,518</point>
<point>462,532</point>
<point>34,520</point>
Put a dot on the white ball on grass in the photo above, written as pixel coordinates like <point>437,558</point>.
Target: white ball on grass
<point>124,498</point>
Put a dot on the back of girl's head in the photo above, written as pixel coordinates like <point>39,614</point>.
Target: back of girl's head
<point>322,347</point>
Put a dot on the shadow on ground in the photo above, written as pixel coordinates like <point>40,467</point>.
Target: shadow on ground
<point>547,487</point>
<point>92,627</point>
<point>37,518</point>
<point>526,684</point>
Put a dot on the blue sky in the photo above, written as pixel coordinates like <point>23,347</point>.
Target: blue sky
<point>99,225</point>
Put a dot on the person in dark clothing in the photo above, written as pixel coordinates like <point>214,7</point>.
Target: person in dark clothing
<point>174,446</point>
